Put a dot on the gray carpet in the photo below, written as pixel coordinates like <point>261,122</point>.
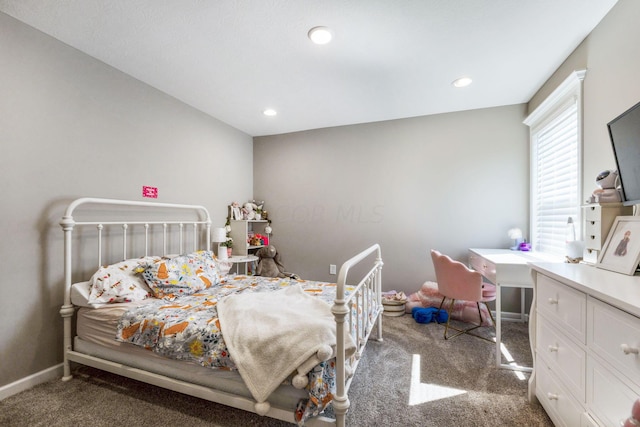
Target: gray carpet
<point>381,392</point>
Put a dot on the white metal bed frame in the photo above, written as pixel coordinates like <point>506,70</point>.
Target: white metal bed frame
<point>366,290</point>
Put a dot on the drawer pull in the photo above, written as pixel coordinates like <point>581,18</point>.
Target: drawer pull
<point>553,301</point>
<point>593,237</point>
<point>552,396</point>
<point>553,348</point>
<point>629,350</point>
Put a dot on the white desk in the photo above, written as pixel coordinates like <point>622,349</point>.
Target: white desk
<point>507,268</point>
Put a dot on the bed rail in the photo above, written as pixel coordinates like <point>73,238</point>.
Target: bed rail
<point>195,216</point>
<point>367,295</point>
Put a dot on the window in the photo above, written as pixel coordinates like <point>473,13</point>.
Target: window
<point>556,141</point>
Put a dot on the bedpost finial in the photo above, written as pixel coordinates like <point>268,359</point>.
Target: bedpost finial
<point>262,408</point>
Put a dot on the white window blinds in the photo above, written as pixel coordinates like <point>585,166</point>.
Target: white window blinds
<point>556,174</point>
<point>556,178</point>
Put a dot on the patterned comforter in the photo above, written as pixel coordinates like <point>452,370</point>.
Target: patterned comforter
<point>188,329</point>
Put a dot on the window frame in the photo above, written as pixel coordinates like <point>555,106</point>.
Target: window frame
<point>558,102</point>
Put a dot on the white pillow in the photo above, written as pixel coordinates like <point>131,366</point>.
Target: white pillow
<point>121,282</point>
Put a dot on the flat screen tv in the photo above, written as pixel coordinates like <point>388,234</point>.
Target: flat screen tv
<point>624,132</point>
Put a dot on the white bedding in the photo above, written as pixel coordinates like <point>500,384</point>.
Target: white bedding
<point>257,327</point>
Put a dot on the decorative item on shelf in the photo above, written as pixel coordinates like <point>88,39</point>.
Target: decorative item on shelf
<point>515,234</point>
<point>573,247</point>
<point>259,209</point>
<point>234,212</point>
<point>219,236</point>
<point>249,211</point>
<point>621,251</point>
<point>228,243</point>
<point>258,240</point>
<point>607,191</point>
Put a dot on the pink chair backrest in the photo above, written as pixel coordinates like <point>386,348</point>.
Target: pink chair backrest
<point>455,280</point>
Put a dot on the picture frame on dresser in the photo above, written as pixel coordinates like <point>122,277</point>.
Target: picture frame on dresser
<point>621,250</point>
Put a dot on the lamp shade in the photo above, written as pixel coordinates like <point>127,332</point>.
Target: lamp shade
<point>219,234</point>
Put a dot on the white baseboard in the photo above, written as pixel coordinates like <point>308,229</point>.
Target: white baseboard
<point>31,381</point>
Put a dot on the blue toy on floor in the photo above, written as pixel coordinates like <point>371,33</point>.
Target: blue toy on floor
<point>429,314</point>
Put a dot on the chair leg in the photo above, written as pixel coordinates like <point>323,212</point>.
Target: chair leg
<point>490,314</point>
<point>464,331</point>
<point>440,308</point>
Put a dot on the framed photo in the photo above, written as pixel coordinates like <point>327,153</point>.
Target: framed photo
<point>621,251</point>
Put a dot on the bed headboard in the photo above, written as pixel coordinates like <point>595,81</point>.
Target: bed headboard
<point>137,227</point>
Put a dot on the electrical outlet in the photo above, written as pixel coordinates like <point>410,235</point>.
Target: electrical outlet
<point>332,269</point>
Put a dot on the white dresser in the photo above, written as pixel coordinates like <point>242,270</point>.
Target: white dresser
<point>586,337</point>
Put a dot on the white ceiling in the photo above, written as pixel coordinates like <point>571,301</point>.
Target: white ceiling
<point>389,59</point>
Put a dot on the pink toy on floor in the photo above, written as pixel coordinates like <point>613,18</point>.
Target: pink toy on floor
<point>465,311</point>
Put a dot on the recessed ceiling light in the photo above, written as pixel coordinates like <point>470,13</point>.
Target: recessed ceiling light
<point>462,82</point>
<point>320,35</point>
<point>269,112</point>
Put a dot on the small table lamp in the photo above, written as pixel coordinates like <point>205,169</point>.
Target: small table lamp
<point>516,235</point>
<point>219,235</point>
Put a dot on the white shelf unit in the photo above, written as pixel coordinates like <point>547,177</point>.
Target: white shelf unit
<point>240,231</point>
<point>598,219</point>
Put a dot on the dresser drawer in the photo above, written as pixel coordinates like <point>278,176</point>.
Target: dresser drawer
<point>566,359</point>
<point>556,400</point>
<point>564,306</point>
<point>614,335</point>
<point>609,398</point>
<point>593,235</point>
<point>483,266</point>
<point>593,213</point>
<point>588,421</point>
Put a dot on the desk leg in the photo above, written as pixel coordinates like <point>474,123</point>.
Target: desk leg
<point>498,325</point>
<point>499,363</point>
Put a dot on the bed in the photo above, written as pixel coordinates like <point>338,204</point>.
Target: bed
<point>284,348</point>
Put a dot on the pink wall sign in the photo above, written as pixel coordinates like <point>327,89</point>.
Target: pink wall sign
<point>150,192</point>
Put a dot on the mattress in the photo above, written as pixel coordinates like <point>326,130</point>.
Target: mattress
<point>96,329</point>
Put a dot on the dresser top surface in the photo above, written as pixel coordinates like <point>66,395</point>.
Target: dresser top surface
<point>614,288</point>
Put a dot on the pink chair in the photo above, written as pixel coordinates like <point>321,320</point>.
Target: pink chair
<point>457,282</point>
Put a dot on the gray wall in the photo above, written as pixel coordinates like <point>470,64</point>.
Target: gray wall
<point>70,126</point>
<point>611,55</point>
<point>447,182</point>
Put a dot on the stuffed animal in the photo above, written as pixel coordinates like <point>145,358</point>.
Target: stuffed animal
<point>249,211</point>
<point>269,264</point>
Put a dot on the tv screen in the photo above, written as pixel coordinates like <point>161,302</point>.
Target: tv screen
<point>624,132</point>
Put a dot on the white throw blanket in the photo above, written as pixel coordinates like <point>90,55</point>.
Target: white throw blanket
<point>271,335</point>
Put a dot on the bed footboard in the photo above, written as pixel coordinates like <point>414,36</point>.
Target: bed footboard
<point>367,298</point>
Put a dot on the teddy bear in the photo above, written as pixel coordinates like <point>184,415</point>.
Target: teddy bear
<point>269,264</point>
